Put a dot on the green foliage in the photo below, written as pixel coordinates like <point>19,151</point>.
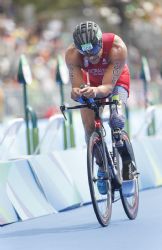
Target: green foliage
<point>62,4</point>
<point>45,5</point>
<point>50,4</point>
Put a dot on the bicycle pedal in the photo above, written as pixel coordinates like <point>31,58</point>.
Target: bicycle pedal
<point>104,178</point>
<point>136,174</point>
<point>115,200</point>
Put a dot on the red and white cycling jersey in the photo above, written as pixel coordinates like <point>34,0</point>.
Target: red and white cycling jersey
<point>96,71</point>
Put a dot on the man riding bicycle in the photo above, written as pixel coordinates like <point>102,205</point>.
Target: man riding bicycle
<point>97,61</point>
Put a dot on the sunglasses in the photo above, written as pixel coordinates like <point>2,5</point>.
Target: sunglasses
<point>93,52</point>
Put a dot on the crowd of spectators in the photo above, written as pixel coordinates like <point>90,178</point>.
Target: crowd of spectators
<point>41,44</point>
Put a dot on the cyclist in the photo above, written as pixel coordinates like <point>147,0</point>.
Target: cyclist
<point>98,60</point>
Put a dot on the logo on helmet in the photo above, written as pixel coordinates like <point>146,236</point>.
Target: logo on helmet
<point>86,47</point>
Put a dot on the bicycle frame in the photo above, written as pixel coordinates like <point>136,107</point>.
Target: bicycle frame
<point>98,126</point>
<point>114,177</point>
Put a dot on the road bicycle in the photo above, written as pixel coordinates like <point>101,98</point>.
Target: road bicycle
<point>112,165</point>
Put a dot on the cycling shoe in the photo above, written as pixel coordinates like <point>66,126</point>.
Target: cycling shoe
<point>101,182</point>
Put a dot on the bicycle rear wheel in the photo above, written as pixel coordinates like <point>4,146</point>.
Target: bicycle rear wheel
<point>130,197</point>
<point>102,203</point>
<point>129,192</point>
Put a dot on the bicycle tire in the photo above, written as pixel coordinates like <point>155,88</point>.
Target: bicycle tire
<point>131,206</point>
<point>131,203</point>
<point>102,204</point>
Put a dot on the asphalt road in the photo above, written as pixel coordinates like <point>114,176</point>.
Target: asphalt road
<point>78,229</point>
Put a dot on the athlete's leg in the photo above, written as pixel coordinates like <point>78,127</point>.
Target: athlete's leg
<point>88,123</point>
<point>87,116</point>
<point>117,118</point>
<point>117,121</point>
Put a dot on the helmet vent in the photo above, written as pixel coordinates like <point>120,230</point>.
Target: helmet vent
<point>87,32</point>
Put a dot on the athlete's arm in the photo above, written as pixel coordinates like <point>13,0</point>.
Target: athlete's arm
<point>73,63</point>
<point>118,56</point>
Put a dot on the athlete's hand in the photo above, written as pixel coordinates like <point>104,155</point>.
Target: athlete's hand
<point>75,93</point>
<point>88,92</point>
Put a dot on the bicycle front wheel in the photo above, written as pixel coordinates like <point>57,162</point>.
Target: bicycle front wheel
<point>102,203</point>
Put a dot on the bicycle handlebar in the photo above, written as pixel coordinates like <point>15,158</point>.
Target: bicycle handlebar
<point>94,105</point>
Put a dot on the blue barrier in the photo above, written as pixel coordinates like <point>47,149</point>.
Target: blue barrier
<point>148,159</point>
<point>23,197</point>
<point>44,184</point>
<point>7,211</point>
<point>55,180</point>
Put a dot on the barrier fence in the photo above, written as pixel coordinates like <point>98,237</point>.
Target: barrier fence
<point>43,184</point>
